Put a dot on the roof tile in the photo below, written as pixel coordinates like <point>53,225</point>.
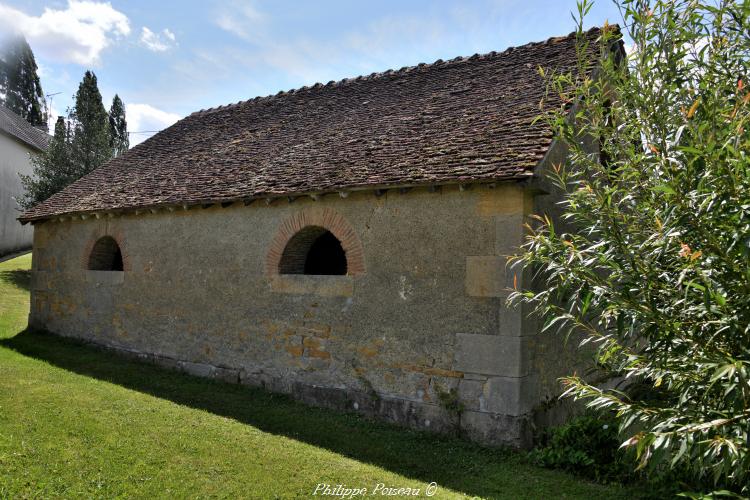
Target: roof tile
<point>467,119</point>
<point>20,129</point>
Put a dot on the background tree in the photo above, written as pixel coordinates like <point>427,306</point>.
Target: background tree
<point>657,272</point>
<point>118,127</point>
<point>20,84</point>
<point>52,169</point>
<point>89,123</point>
<point>4,49</point>
<point>80,144</point>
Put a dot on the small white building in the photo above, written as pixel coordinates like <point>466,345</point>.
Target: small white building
<point>19,140</point>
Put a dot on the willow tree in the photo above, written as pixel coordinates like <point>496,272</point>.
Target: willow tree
<point>656,273</point>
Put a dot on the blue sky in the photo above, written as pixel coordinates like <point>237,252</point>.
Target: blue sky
<point>167,59</point>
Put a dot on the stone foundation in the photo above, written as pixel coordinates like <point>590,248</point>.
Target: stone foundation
<point>491,429</point>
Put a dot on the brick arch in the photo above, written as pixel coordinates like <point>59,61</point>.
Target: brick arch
<point>325,218</point>
<point>96,236</point>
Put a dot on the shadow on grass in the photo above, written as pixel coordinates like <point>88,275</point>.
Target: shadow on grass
<point>451,462</point>
<point>18,277</point>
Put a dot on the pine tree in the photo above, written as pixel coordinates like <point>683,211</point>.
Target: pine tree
<point>52,169</point>
<point>20,83</point>
<point>89,121</point>
<point>118,127</point>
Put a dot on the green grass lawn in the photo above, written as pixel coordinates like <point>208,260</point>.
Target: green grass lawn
<point>79,422</point>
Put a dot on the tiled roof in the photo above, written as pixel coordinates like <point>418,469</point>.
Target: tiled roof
<point>464,120</point>
<point>20,129</point>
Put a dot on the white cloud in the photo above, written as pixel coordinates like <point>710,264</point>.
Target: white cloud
<point>158,42</point>
<point>376,45</point>
<point>78,33</point>
<point>146,119</point>
<point>242,20</point>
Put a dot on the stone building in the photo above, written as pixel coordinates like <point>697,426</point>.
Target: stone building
<point>19,141</point>
<point>344,243</point>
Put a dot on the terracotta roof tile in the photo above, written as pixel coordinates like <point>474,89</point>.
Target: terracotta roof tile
<point>467,119</point>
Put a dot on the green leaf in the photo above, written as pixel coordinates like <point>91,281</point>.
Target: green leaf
<point>665,188</point>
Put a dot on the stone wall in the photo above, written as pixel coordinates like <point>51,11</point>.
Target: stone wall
<point>14,158</point>
<point>419,321</point>
<point>553,356</point>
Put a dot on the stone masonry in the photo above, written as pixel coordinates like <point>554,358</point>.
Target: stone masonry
<point>420,318</point>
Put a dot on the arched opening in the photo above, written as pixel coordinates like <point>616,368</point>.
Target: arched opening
<point>106,255</point>
<point>313,250</point>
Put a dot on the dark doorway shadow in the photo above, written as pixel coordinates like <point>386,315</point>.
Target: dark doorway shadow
<point>18,277</point>
<point>452,462</point>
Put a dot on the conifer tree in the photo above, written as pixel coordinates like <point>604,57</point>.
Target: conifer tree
<point>118,127</point>
<point>4,46</point>
<point>20,84</point>
<point>89,121</point>
<point>80,144</point>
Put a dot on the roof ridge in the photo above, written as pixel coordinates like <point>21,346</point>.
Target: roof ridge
<point>392,72</point>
